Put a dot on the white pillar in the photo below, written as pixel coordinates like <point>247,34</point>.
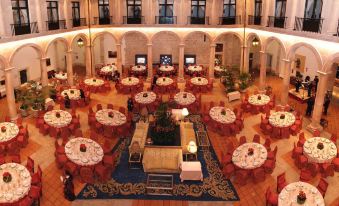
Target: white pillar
<point>319,102</point>
<point>181,62</point>
<point>44,75</point>
<point>69,60</point>
<point>212,61</point>
<point>286,82</point>
<point>149,62</point>
<point>68,14</point>
<point>10,94</point>
<point>262,82</point>
<point>119,58</point>
<point>88,60</point>
<point>244,59</point>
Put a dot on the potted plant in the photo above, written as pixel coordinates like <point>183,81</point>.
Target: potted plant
<point>228,80</point>
<point>244,81</point>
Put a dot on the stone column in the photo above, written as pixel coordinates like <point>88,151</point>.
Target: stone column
<point>149,62</point>
<point>244,59</point>
<point>68,14</point>
<point>119,58</point>
<point>10,94</point>
<point>181,62</point>
<point>319,101</point>
<point>286,82</point>
<point>262,82</point>
<point>44,75</point>
<point>69,60</point>
<point>88,60</point>
<point>212,61</point>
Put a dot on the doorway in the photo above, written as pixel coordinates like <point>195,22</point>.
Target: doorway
<point>23,76</point>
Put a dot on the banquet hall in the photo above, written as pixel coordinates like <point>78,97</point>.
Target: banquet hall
<point>169,102</point>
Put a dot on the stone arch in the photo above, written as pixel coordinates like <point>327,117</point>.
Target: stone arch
<point>68,47</point>
<point>271,39</point>
<point>36,47</point>
<point>201,32</point>
<point>329,62</point>
<point>229,32</point>
<point>80,35</point>
<point>134,32</point>
<point>3,62</point>
<point>162,32</point>
<point>317,55</point>
<point>103,33</point>
<point>250,38</point>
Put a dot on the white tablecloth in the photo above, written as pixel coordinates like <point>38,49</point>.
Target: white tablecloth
<point>164,81</point>
<point>276,121</point>
<point>12,130</point>
<point>253,99</point>
<point>108,69</point>
<point>191,171</point>
<point>18,187</point>
<point>151,96</point>
<point>93,155</point>
<point>180,99</point>
<point>53,121</point>
<point>61,76</point>
<point>73,96</point>
<point>94,82</point>
<point>325,155</point>
<point>218,69</point>
<point>130,81</point>
<point>117,119</point>
<point>241,158</point>
<point>166,68</point>
<point>228,118</point>
<point>199,81</point>
<point>138,68</point>
<point>288,196</point>
<point>195,68</point>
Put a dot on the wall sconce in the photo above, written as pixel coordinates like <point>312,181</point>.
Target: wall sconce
<point>80,42</point>
<point>192,147</point>
<point>185,112</point>
<point>255,42</point>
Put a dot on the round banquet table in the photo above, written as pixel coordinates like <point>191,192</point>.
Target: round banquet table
<point>108,70</point>
<point>61,76</point>
<point>145,97</point>
<point>228,118</point>
<point>276,121</point>
<point>118,118</point>
<point>199,81</point>
<point>164,81</point>
<point>10,133</point>
<point>92,156</point>
<point>73,94</point>
<point>130,81</point>
<point>194,69</point>
<point>166,68</point>
<point>314,154</point>
<point>243,160</point>
<point>259,100</point>
<point>58,122</point>
<point>138,68</point>
<point>93,82</point>
<point>18,187</point>
<point>288,196</point>
<point>184,98</point>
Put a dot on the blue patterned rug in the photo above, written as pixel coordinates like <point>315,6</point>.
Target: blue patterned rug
<point>131,184</point>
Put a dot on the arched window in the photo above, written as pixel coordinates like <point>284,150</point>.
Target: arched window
<point>229,8</point>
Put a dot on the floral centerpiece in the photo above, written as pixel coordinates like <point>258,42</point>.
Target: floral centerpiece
<point>320,145</point>
<point>110,114</point>
<point>259,97</point>
<point>164,79</point>
<point>223,112</point>
<point>184,95</point>
<point>58,115</point>
<point>301,198</point>
<point>250,151</point>
<point>83,148</point>
<point>94,80</point>
<point>6,177</point>
<point>282,116</point>
<point>129,79</point>
<point>199,79</point>
<point>145,95</point>
<point>72,91</point>
<point>3,129</point>
<point>63,74</point>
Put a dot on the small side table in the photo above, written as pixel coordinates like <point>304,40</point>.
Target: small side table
<point>134,161</point>
<point>189,157</point>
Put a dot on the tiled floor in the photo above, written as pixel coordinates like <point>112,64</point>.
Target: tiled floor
<point>41,149</point>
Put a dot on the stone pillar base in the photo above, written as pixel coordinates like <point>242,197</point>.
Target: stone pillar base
<point>148,79</point>
<point>13,119</point>
<point>314,126</point>
<point>262,91</point>
<point>181,80</point>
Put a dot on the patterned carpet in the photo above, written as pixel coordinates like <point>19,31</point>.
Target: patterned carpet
<point>131,184</point>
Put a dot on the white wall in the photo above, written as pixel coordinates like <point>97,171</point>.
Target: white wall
<point>78,54</point>
<point>165,43</point>
<point>276,51</point>
<point>101,46</point>
<point>133,44</point>
<point>57,52</point>
<point>231,50</point>
<point>311,66</point>
<point>198,45</point>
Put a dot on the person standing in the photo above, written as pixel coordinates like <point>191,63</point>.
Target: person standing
<point>154,82</point>
<point>130,104</point>
<point>316,81</point>
<point>327,102</point>
<point>309,89</point>
<point>310,104</point>
<point>67,101</point>
<point>68,186</point>
<point>297,85</point>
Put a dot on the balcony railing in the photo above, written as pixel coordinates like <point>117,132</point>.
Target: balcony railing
<point>79,22</point>
<point>308,24</point>
<point>279,22</point>
<point>134,20</point>
<point>229,20</point>
<point>103,20</point>
<point>166,20</point>
<point>254,20</point>
<point>55,25</point>
<point>198,20</point>
<point>25,28</point>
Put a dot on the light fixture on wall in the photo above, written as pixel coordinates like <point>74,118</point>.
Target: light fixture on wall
<point>255,42</point>
<point>80,42</point>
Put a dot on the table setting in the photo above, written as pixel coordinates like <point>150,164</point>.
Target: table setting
<point>166,68</point>
<point>8,132</point>
<point>138,68</point>
<point>184,98</point>
<point>281,119</point>
<point>222,115</point>
<point>259,99</point>
<point>61,76</point>
<point>110,117</point>
<point>194,68</point>
<point>108,70</point>
<point>164,81</point>
<point>94,82</point>
<point>15,182</point>
<point>73,94</point>
<point>300,193</point>
<point>58,118</point>
<point>249,156</point>
<point>319,150</point>
<point>84,151</point>
<point>145,97</point>
<point>130,81</point>
<point>199,81</point>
